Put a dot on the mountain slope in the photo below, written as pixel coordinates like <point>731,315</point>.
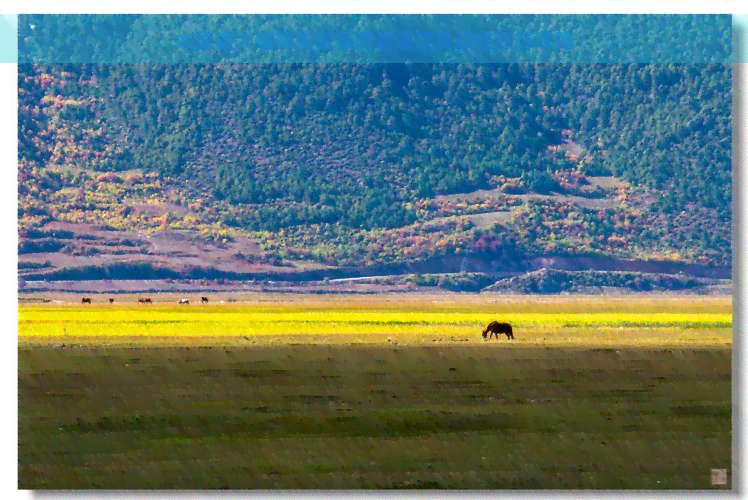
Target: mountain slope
<point>323,166</point>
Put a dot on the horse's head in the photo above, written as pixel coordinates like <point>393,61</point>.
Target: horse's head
<point>485,333</point>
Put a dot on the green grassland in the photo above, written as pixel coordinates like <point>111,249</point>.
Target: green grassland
<point>392,392</point>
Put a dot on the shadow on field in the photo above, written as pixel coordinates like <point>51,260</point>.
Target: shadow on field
<point>326,417</point>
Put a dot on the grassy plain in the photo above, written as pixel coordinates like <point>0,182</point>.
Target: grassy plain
<point>386,392</point>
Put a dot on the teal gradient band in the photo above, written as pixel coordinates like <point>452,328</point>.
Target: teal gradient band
<point>380,38</point>
<point>8,38</point>
<point>740,40</point>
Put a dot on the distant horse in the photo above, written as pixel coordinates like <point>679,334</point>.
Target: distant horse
<point>86,300</point>
<point>184,301</point>
<point>145,301</point>
<point>495,328</point>
<point>111,301</point>
<point>141,301</point>
<point>204,300</point>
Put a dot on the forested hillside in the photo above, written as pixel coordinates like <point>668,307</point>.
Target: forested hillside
<point>363,163</point>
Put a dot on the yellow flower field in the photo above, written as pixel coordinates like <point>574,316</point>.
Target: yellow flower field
<point>370,321</point>
<point>374,392</point>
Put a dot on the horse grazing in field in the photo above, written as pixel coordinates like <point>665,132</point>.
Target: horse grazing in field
<point>495,328</point>
<point>86,300</point>
<point>204,300</point>
<point>111,301</point>
<point>184,301</point>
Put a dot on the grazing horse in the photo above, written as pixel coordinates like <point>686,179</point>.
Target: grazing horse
<point>184,301</point>
<point>86,300</point>
<point>141,301</point>
<point>204,300</point>
<point>495,328</point>
<point>111,301</point>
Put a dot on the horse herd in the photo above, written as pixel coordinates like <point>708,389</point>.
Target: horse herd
<point>204,300</point>
<point>493,329</point>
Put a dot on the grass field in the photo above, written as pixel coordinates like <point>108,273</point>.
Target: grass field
<point>392,392</point>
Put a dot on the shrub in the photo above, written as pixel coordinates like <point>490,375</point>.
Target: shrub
<point>110,178</point>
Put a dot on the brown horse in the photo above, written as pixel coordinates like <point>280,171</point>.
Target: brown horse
<point>86,300</point>
<point>111,301</point>
<point>204,300</point>
<point>495,328</point>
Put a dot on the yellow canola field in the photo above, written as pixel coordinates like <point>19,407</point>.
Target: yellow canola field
<point>365,324</point>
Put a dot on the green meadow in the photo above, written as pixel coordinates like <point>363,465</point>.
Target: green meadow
<point>376,393</point>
